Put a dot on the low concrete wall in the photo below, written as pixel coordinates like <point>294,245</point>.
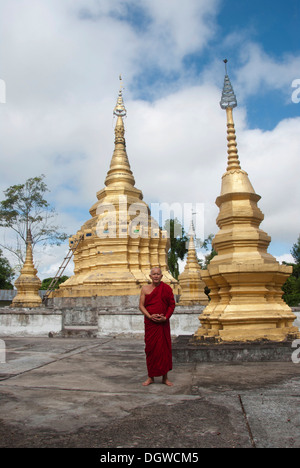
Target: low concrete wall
<point>184,321</point>
<point>107,319</point>
<point>186,350</point>
<point>110,315</point>
<point>94,317</point>
<point>101,303</point>
<point>29,322</point>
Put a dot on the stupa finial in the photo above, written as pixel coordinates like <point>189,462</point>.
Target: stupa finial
<point>228,97</point>
<point>120,171</point>
<point>228,102</point>
<point>119,109</point>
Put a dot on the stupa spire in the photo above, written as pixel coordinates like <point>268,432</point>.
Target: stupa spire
<point>229,102</point>
<point>120,110</point>
<point>29,256</point>
<point>228,98</point>
<point>235,179</point>
<point>120,172</point>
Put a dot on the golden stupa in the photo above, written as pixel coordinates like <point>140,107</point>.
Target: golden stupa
<point>244,279</point>
<point>121,242</point>
<point>190,282</point>
<point>28,284</point>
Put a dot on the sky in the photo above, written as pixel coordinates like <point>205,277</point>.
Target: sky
<point>60,62</point>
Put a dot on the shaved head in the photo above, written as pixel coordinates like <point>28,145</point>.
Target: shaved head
<point>155,268</point>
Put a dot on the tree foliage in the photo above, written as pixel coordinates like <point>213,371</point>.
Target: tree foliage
<point>178,245</point>
<point>207,245</point>
<point>291,287</point>
<point>25,207</point>
<point>47,281</point>
<point>296,251</point>
<point>6,273</point>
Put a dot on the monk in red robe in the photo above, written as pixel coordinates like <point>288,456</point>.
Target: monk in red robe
<point>157,304</point>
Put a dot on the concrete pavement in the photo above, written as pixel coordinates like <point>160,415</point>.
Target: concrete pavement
<point>59,392</point>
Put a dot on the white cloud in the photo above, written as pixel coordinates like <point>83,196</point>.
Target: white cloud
<point>179,29</point>
<point>261,72</point>
<point>49,261</point>
<point>287,258</point>
<point>272,160</point>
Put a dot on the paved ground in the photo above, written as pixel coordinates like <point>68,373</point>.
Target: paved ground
<point>71,393</point>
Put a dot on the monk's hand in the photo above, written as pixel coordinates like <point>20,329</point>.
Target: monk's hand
<point>161,318</point>
<point>153,317</point>
<point>158,318</point>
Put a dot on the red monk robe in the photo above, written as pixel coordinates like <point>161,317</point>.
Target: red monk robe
<point>157,335</point>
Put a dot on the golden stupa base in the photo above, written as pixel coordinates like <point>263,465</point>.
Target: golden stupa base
<point>25,303</point>
<point>117,289</point>
<point>26,298</point>
<point>108,284</point>
<point>246,304</point>
<point>245,325</point>
<point>246,333</point>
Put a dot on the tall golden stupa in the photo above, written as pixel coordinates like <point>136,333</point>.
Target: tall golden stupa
<point>121,242</point>
<point>244,279</point>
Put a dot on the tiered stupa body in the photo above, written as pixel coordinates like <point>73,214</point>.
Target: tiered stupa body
<point>190,282</point>
<point>121,242</point>
<point>28,284</point>
<point>244,279</point>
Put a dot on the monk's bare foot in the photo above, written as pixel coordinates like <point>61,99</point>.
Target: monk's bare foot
<point>147,382</point>
<point>167,382</point>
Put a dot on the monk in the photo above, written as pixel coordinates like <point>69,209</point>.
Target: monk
<point>157,304</point>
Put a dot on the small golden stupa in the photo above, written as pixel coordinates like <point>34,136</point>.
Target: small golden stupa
<point>244,279</point>
<point>28,284</point>
<point>121,242</point>
<point>190,282</point>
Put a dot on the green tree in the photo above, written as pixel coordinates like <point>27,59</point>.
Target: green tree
<point>178,243</point>
<point>25,207</point>
<point>296,252</point>
<point>291,287</point>
<point>208,258</point>
<point>6,273</point>
<point>207,245</point>
<point>46,282</point>
<point>179,246</point>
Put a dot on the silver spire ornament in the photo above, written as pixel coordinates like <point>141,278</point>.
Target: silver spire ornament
<point>228,98</point>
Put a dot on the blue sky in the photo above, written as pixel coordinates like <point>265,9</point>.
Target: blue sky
<point>61,61</point>
<point>274,25</point>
